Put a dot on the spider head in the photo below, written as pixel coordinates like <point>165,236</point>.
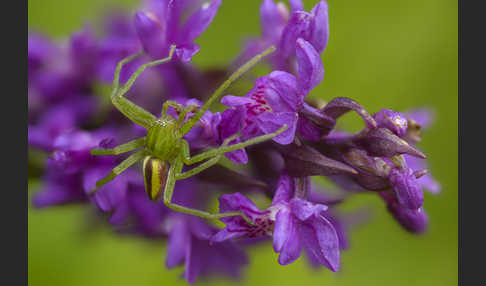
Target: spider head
<point>163,139</point>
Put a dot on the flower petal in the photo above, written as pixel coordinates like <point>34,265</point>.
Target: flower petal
<point>151,33</point>
<point>303,209</point>
<point>321,240</point>
<point>238,202</point>
<point>234,101</point>
<point>320,26</point>
<point>407,188</point>
<point>284,190</point>
<point>296,5</point>
<point>283,225</point>
<point>298,26</point>
<point>177,244</point>
<point>199,21</point>
<point>308,130</point>
<point>226,234</point>
<point>292,247</point>
<point>272,21</point>
<point>270,122</point>
<point>231,120</point>
<point>281,92</point>
<point>185,52</point>
<point>311,69</point>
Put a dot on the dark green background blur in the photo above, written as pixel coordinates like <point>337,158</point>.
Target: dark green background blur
<point>393,54</point>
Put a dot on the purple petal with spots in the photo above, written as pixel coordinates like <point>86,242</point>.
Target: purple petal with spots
<point>281,91</point>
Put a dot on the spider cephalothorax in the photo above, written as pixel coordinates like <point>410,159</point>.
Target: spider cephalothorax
<point>164,151</point>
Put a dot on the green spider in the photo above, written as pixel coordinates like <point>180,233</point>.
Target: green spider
<point>163,149</point>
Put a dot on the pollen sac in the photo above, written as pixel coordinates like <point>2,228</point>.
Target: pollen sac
<point>155,177</point>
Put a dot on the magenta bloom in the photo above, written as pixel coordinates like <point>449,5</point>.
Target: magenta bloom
<point>189,244</point>
<point>294,223</point>
<point>276,100</point>
<point>160,25</point>
<point>282,28</point>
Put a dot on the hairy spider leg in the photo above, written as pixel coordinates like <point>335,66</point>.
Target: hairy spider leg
<point>120,149</point>
<point>174,104</point>
<point>176,168</point>
<point>224,149</point>
<point>244,68</point>
<point>134,112</point>
<point>196,170</point>
<point>125,164</point>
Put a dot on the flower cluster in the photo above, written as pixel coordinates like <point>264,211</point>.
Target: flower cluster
<point>69,116</point>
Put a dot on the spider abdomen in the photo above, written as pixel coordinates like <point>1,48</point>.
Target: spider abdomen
<point>155,173</point>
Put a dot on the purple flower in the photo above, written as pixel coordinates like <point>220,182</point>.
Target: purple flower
<point>275,100</point>
<point>406,187</point>
<point>282,29</point>
<point>142,216</point>
<point>189,244</point>
<point>161,25</point>
<point>59,119</point>
<point>312,27</point>
<point>40,49</point>
<point>413,220</point>
<point>295,224</point>
<point>76,172</point>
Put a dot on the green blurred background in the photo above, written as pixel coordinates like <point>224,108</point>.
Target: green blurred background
<point>393,54</point>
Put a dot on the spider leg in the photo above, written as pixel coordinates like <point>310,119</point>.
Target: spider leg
<point>132,159</point>
<point>134,112</point>
<point>224,149</point>
<point>129,146</point>
<point>186,157</point>
<point>244,68</point>
<point>175,169</point>
<point>177,106</point>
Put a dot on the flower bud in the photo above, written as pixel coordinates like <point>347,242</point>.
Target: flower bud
<point>381,142</point>
<point>303,161</point>
<point>394,121</point>
<point>406,187</point>
<point>414,221</point>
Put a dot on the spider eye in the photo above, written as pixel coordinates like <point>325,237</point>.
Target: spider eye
<point>155,176</point>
